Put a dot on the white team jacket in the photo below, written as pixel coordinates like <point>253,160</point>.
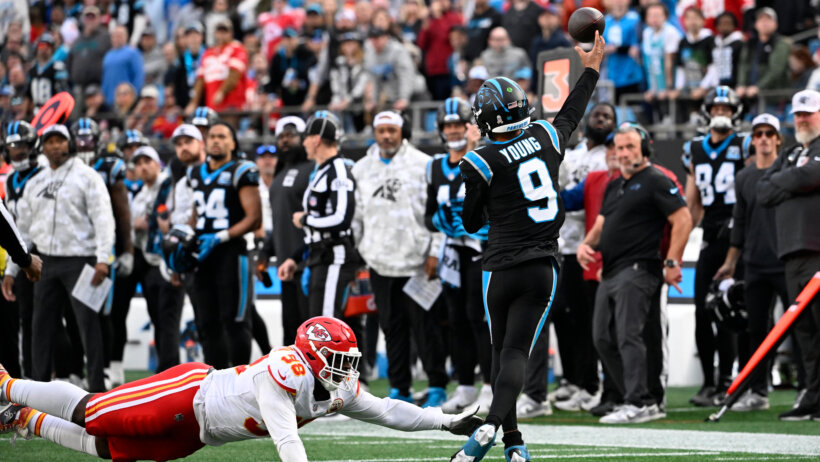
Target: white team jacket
<point>389,220</point>
<point>274,397</point>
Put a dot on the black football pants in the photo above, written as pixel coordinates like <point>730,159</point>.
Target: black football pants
<point>761,290</point>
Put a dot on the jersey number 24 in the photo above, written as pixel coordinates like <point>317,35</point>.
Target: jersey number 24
<point>536,184</point>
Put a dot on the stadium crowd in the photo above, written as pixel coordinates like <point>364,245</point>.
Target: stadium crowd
<point>164,193</point>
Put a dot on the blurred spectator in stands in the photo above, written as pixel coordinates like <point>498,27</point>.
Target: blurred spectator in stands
<point>434,41</point>
<point>217,13</point>
<point>726,52</point>
<point>622,35</point>
<point>794,16</point>
<point>521,22</point>
<point>391,71</point>
<point>14,11</point>
<point>712,9</point>
<point>257,98</point>
<point>125,97</point>
<point>551,35</point>
<point>142,117</point>
<point>251,42</point>
<point>18,81</point>
<point>381,19</point>
<point>95,102</point>
<point>5,103</point>
<point>47,77</point>
<point>364,13</point>
<point>15,42</point>
<point>524,78</point>
<point>411,15</point>
<point>221,76</point>
<point>85,60</point>
<point>56,15</point>
<point>183,72</point>
<point>189,13</point>
<point>154,63</point>
<point>168,118</point>
<point>801,67</point>
<point>37,20</point>
<point>659,46</point>
<point>484,19</point>
<point>314,26</point>
<point>272,23</point>
<point>501,58</point>
<point>348,79</point>
<point>476,76</point>
<point>122,63</point>
<point>289,69</point>
<point>20,106</point>
<point>457,64</point>
<point>764,58</point>
<point>694,57</point>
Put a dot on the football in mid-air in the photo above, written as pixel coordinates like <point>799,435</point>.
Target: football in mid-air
<point>584,22</point>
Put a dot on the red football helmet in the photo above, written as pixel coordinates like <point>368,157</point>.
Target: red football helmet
<point>329,346</point>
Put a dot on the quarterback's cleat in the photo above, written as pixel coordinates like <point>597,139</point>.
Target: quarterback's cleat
<point>396,394</point>
<point>477,446</point>
<point>517,454</point>
<point>465,423</point>
<point>435,397</point>
<point>11,417</point>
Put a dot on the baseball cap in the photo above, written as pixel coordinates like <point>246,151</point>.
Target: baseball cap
<point>57,129</point>
<point>766,119</point>
<point>146,151</point>
<point>388,118</point>
<point>289,121</point>
<point>350,36</point>
<point>195,26</point>
<point>479,73</point>
<point>314,8</point>
<point>767,11</point>
<point>92,90</point>
<point>149,30</point>
<point>224,23</point>
<point>46,38</point>
<point>149,91</point>
<point>346,14</point>
<point>290,32</point>
<point>523,73</point>
<point>91,9</point>
<point>805,101</point>
<point>187,130</point>
<point>376,32</point>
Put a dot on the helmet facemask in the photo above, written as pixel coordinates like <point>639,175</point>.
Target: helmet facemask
<point>340,369</point>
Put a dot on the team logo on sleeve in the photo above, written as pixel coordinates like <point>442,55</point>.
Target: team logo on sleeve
<point>318,333</point>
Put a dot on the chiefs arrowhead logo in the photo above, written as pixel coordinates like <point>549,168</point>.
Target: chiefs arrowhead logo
<point>318,333</point>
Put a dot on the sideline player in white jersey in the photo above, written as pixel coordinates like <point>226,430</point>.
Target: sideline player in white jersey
<point>175,413</point>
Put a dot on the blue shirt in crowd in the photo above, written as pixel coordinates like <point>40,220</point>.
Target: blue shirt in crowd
<point>623,32</point>
<point>121,65</point>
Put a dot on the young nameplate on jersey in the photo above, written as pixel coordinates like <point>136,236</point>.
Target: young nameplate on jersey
<point>175,413</point>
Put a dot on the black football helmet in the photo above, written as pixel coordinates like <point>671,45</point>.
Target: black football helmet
<point>131,138</point>
<point>726,96</point>
<point>454,110</point>
<point>203,116</point>
<point>20,134</point>
<point>326,125</point>
<point>178,248</point>
<point>726,303</point>
<point>86,135</point>
<point>500,106</point>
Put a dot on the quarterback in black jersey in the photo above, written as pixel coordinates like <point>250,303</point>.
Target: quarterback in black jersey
<point>459,265</point>
<point>512,182</point>
<point>711,163</point>
<point>227,206</point>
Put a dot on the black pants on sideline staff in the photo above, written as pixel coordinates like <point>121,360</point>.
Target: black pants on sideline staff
<point>710,259</point>
<point>469,334</point>
<point>294,308</point>
<point>223,293</point>
<point>124,289</point>
<point>24,291</point>
<point>165,309</point>
<point>800,267</point>
<point>622,308</point>
<point>518,300</point>
<point>761,291</point>
<point>400,317</point>
<point>10,336</point>
<point>54,288</point>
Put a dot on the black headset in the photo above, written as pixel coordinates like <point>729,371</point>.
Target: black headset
<point>646,141</point>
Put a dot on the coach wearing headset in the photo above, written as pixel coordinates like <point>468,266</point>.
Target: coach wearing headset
<point>628,232</point>
<point>66,213</point>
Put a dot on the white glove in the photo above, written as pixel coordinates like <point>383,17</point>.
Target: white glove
<point>465,423</point>
<point>124,265</point>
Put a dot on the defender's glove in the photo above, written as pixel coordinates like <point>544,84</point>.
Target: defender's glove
<point>464,424</point>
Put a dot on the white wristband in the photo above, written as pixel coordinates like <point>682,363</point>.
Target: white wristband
<point>223,236</point>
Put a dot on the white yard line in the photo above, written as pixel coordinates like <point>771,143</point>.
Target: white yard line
<point>624,437</point>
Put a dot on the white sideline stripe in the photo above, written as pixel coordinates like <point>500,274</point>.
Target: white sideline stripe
<point>583,435</point>
<point>122,391</point>
<point>126,404</point>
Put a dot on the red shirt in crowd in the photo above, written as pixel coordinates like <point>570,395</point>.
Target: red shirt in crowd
<point>712,8</point>
<point>594,188</point>
<point>434,40</point>
<point>273,25</point>
<point>217,63</point>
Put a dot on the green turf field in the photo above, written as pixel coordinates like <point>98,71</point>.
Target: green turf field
<point>683,436</point>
